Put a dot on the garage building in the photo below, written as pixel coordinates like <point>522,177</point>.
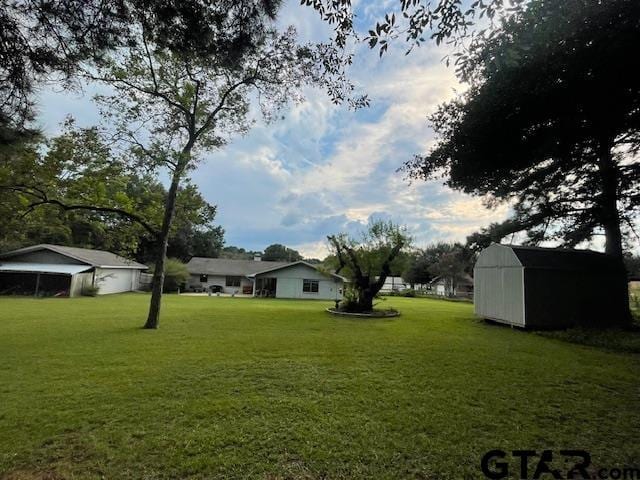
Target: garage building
<point>54,270</point>
<point>545,288</point>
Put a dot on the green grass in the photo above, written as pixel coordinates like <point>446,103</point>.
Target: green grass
<point>616,339</point>
<point>238,388</point>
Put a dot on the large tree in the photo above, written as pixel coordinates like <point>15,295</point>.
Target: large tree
<point>71,190</point>
<point>280,253</point>
<point>368,261</point>
<point>414,22</point>
<point>40,39</point>
<point>43,39</point>
<point>550,122</point>
<point>450,260</point>
<point>170,107</point>
<point>238,253</point>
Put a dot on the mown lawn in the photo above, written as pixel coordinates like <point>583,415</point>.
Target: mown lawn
<point>244,388</point>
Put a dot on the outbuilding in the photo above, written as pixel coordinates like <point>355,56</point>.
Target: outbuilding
<point>546,288</point>
<point>56,270</point>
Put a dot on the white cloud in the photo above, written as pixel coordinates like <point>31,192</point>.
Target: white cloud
<point>324,169</point>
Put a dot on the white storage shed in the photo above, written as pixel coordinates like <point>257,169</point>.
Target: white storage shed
<point>546,288</point>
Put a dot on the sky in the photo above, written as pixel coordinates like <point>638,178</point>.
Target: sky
<point>326,169</point>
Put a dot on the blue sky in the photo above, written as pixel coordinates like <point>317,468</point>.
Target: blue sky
<point>325,169</point>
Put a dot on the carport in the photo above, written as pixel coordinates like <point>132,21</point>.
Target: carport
<point>17,278</point>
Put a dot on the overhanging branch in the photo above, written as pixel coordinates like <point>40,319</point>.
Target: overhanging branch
<point>43,199</point>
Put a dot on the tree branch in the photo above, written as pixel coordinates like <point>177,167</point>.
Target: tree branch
<point>43,199</point>
<point>221,104</point>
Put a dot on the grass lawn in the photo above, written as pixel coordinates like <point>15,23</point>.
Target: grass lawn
<point>248,388</point>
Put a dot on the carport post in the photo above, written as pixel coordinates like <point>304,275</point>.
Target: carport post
<point>37,284</point>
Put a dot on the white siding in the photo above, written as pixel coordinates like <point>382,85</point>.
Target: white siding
<point>116,280</point>
<point>290,282</point>
<point>221,280</point>
<point>497,255</point>
<point>499,286</point>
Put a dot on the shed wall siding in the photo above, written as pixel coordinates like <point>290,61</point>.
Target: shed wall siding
<point>116,280</point>
<point>499,293</point>
<point>498,256</point>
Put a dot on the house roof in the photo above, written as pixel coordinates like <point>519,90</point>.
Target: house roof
<point>562,258</point>
<point>464,279</point>
<point>59,268</point>
<point>228,266</point>
<point>300,262</point>
<point>95,258</point>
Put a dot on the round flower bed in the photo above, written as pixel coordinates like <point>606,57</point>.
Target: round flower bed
<point>373,314</point>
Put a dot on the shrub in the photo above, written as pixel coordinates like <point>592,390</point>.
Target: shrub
<point>90,291</point>
<point>175,275</point>
<point>349,301</point>
<point>408,292</point>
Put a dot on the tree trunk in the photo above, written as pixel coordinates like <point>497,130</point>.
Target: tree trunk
<point>610,219</point>
<point>365,300</point>
<point>163,241</point>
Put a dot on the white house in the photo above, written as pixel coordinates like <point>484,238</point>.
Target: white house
<point>394,284</point>
<point>263,279</point>
<point>444,287</point>
<point>224,274</point>
<point>65,271</point>
<point>298,280</point>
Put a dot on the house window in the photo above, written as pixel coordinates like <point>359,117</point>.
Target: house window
<point>310,286</point>
<point>232,281</point>
<point>204,278</point>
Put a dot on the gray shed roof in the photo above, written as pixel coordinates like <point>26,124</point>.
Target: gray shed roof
<point>228,266</point>
<point>95,258</point>
<point>562,258</point>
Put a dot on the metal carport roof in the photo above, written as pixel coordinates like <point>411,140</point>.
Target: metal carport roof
<point>59,268</point>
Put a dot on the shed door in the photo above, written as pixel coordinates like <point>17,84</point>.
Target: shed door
<point>498,294</point>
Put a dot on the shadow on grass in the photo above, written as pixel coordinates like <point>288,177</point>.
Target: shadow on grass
<point>623,340</point>
<point>615,339</point>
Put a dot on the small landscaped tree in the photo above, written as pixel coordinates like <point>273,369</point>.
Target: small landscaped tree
<point>175,275</point>
<point>368,261</point>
